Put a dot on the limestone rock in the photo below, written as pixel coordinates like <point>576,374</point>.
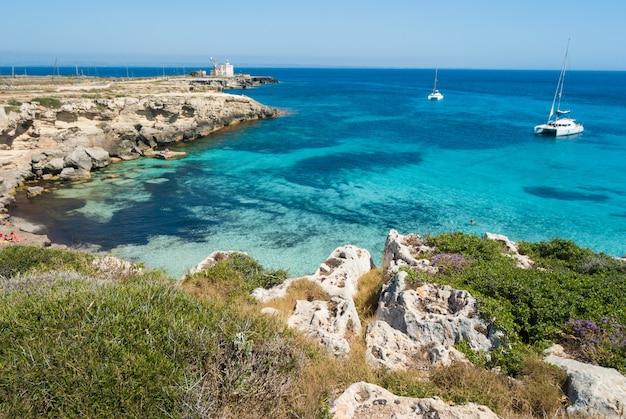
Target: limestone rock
<point>72,174</point>
<point>54,166</point>
<point>400,251</point>
<point>327,321</point>
<point>110,264</point>
<point>390,348</point>
<point>337,275</point>
<point>278,291</point>
<point>522,261</point>
<point>593,390</point>
<point>434,317</point>
<point>33,191</point>
<point>367,401</point>
<point>99,157</point>
<point>330,322</point>
<point>86,133</point>
<point>340,273</point>
<point>79,159</point>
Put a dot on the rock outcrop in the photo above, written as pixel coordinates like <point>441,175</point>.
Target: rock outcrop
<point>400,252</point>
<point>592,391</point>
<point>418,328</point>
<point>329,322</point>
<point>67,135</point>
<point>511,250</point>
<point>368,401</point>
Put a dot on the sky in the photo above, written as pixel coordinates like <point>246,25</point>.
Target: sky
<point>478,34</point>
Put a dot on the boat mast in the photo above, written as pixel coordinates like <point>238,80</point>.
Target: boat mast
<point>559,87</point>
<point>435,85</point>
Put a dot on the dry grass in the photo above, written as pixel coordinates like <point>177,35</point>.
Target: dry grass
<point>300,289</point>
<point>537,392</point>
<point>366,299</point>
<point>326,377</point>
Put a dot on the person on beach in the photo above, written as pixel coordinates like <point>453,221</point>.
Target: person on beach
<point>14,237</point>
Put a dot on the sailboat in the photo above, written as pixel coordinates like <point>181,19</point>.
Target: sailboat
<point>435,94</point>
<point>560,126</point>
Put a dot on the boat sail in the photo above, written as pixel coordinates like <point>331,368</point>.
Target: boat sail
<point>559,126</point>
<point>435,94</point>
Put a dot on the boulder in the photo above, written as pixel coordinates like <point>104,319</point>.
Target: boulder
<point>79,159</point>
<point>99,157</point>
<point>327,321</point>
<point>364,401</point>
<point>401,251</point>
<point>393,350</point>
<point>339,274</point>
<point>592,390</point>
<point>54,166</point>
<point>34,191</point>
<point>72,174</point>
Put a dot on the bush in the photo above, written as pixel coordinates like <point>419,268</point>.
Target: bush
<point>466,244</point>
<point>532,306</point>
<point>16,260</point>
<point>601,343</point>
<point>48,102</point>
<point>139,348</point>
<point>447,262</point>
<point>9,109</point>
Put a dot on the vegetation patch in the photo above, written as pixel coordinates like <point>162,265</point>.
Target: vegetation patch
<point>9,109</point>
<point>536,307</point>
<point>48,102</point>
<point>80,340</point>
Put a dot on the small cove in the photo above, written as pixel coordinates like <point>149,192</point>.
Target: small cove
<point>359,152</point>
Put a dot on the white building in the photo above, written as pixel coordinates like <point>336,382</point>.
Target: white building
<point>222,70</point>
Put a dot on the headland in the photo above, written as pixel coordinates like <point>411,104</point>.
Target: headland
<point>63,128</point>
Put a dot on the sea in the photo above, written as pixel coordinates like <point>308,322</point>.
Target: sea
<point>354,154</point>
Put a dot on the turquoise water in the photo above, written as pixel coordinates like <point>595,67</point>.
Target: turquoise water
<point>359,152</point>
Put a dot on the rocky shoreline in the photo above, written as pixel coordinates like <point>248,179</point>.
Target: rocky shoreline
<point>415,328</point>
<point>64,129</point>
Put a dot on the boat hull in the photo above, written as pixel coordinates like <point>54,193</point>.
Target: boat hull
<point>435,96</point>
<point>559,128</point>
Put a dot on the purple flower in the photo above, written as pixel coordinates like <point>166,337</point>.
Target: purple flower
<point>449,262</point>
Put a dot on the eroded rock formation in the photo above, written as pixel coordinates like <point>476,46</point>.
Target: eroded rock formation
<point>368,401</point>
<point>70,134</point>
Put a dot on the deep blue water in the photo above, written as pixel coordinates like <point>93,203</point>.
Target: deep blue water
<point>359,152</point>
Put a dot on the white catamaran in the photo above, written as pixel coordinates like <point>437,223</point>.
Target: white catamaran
<point>559,126</point>
<point>435,95</point>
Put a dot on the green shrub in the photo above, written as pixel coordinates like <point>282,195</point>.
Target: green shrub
<point>9,109</point>
<point>255,275</point>
<point>16,260</point>
<point>48,102</point>
<point>532,306</point>
<point>235,277</point>
<point>465,244</point>
<point>138,348</point>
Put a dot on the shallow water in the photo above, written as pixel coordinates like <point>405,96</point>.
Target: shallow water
<point>359,152</point>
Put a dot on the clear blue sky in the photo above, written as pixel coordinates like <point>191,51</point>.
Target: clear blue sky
<point>494,34</point>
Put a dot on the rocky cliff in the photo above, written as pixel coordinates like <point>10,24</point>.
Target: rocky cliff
<point>66,131</point>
